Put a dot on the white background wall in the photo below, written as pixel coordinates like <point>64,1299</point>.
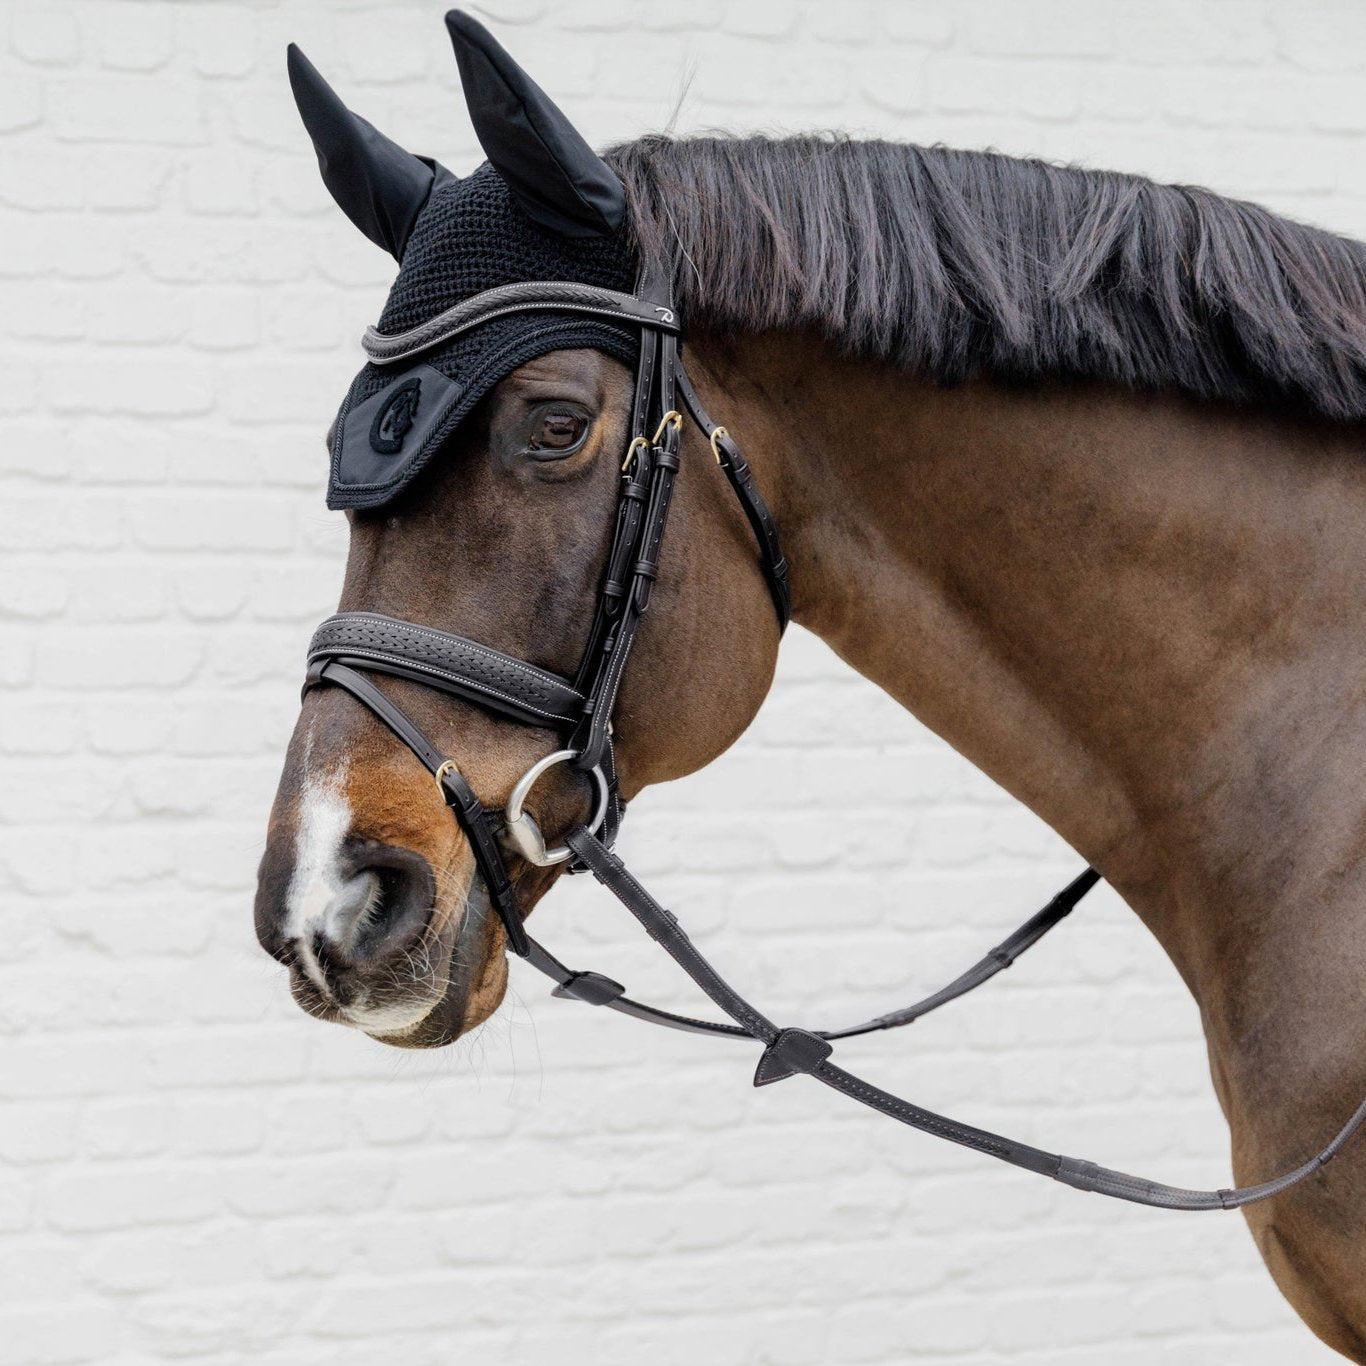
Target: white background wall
<point>192,1170</point>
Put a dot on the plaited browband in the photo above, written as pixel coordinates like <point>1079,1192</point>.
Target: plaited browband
<point>351,645</point>
<point>547,296</point>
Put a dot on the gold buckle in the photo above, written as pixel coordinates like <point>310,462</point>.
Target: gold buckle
<point>670,419</point>
<point>637,443</point>
<point>448,766</point>
<point>716,433</point>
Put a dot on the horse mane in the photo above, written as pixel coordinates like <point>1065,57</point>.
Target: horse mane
<point>954,264</point>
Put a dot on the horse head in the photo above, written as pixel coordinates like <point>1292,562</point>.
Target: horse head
<point>482,477</point>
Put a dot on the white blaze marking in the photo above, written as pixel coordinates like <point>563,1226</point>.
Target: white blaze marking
<point>324,819</point>
<point>324,823</point>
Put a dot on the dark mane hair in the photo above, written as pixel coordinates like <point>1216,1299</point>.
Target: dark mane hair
<point>953,264</point>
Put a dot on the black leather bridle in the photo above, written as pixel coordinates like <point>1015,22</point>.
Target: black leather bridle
<point>351,645</point>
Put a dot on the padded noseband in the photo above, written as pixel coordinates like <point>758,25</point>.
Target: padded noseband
<point>452,664</point>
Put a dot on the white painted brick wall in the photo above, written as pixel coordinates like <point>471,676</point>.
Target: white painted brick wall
<point>189,1168</point>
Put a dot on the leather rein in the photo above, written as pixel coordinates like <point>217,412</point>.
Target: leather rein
<point>350,646</point>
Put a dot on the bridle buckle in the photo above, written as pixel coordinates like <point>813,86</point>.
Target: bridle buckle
<point>671,421</point>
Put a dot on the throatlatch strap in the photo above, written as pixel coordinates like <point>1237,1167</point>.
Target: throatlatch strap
<point>788,1051</point>
<point>761,520</point>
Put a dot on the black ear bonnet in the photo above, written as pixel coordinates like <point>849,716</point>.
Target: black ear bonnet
<point>470,237</point>
<point>545,207</point>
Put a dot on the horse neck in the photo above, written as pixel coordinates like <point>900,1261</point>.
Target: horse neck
<point>1140,615</point>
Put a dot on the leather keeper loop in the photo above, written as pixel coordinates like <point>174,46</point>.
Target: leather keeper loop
<point>593,988</point>
<point>790,1052</point>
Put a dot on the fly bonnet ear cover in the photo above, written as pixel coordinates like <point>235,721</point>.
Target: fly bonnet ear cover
<point>544,206</point>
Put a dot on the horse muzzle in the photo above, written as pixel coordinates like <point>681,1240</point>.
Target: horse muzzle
<point>360,936</point>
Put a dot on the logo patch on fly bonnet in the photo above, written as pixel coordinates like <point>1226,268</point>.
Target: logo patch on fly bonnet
<point>396,417</point>
<point>381,438</point>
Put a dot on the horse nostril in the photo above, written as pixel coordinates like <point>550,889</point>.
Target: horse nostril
<point>381,908</point>
<point>353,911</point>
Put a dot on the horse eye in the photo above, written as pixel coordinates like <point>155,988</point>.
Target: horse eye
<point>556,433</point>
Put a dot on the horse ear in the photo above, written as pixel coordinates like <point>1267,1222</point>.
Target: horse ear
<point>554,175</point>
<point>380,187</point>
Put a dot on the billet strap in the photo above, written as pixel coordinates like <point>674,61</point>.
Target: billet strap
<point>383,644</point>
<point>537,296</point>
<point>789,1051</point>
<point>761,520</point>
<point>457,793</point>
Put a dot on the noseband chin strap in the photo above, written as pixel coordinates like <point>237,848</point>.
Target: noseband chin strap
<point>351,645</point>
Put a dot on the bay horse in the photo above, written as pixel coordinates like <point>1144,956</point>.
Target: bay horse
<point>1070,463</point>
